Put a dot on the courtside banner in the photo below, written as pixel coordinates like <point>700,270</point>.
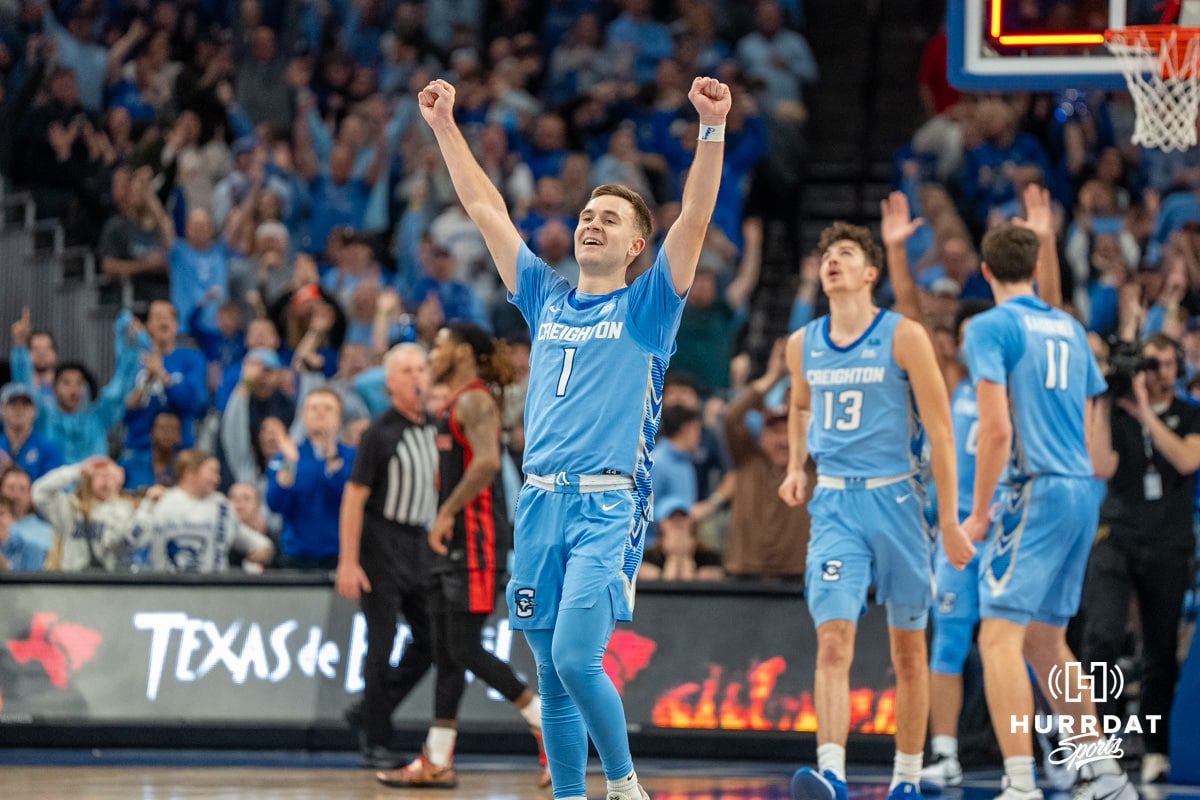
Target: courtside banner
<point>234,651</point>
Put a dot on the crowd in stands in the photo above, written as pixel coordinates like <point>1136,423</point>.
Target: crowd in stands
<point>258,189</point>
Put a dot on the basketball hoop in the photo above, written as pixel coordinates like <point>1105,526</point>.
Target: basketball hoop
<point>1160,63</point>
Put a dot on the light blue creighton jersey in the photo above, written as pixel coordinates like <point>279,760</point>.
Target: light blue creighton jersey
<point>1041,355</point>
<point>964,418</point>
<point>595,371</point>
<point>864,421</point>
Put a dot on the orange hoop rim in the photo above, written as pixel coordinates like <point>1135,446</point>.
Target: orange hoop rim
<point>1155,34</point>
<point>1151,41</point>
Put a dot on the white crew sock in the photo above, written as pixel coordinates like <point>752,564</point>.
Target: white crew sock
<point>944,746</point>
<point>532,713</point>
<point>626,787</point>
<point>439,745</point>
<point>832,757</point>
<point>906,769</point>
<point>1019,771</point>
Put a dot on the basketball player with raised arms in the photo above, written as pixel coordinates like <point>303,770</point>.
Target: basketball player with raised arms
<point>595,396</point>
<point>1034,376</point>
<point>865,384</point>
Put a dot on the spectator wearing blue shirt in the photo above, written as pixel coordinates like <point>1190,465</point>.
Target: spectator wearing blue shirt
<point>16,553</point>
<point>155,466</point>
<point>779,58</point>
<point>260,333</point>
<point>547,153</point>
<point>305,483</point>
<point>637,42</point>
<point>17,489</point>
<point>78,418</point>
<point>338,197</point>
<point>459,301</point>
<point>28,449</point>
<point>171,379</point>
<point>354,266</point>
<point>199,268</point>
<point>674,474</point>
<point>34,352</point>
<point>224,347</point>
<point>957,261</point>
<point>989,175</point>
<point>246,443</point>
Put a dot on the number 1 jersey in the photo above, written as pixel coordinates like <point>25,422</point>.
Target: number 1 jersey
<point>595,370</point>
<point>864,421</point>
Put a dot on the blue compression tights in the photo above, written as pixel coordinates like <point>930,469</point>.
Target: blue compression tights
<point>578,698</point>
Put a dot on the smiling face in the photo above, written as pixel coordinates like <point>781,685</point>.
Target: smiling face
<point>606,237</point>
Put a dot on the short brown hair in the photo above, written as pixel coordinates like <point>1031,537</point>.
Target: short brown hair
<point>190,461</point>
<point>642,219</point>
<point>1011,253</point>
<point>844,231</point>
<point>329,390</point>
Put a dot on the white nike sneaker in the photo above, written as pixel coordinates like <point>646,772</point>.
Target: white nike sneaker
<point>943,772</point>
<point>641,795</point>
<point>1060,777</point>
<point>1009,793</point>
<point>1092,786</point>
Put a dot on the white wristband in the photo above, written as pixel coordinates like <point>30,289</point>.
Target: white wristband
<point>711,133</point>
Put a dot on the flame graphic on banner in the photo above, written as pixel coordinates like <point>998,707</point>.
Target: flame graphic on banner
<point>627,655</point>
<point>60,647</point>
<point>754,704</point>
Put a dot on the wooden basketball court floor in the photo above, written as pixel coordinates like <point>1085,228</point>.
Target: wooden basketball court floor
<point>49,775</point>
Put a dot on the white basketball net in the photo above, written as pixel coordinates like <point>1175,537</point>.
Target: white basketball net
<point>1164,84</point>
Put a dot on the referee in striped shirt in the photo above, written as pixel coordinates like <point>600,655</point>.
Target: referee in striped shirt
<point>387,508</point>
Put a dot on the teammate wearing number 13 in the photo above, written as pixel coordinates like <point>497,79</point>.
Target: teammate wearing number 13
<point>592,409</point>
<point>865,384</point>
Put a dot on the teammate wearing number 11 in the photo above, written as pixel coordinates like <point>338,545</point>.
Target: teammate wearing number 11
<point>1034,379</point>
<point>865,383</point>
<point>595,396</point>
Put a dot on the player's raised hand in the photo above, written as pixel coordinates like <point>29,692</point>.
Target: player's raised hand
<point>712,100</point>
<point>896,223</point>
<point>437,103</point>
<point>958,547</point>
<point>1039,214</point>
<point>794,489</point>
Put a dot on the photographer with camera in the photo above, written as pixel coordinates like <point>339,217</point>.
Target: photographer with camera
<point>1148,448</point>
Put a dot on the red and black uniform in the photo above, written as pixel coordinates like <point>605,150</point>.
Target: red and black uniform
<point>466,578</point>
<point>482,535</point>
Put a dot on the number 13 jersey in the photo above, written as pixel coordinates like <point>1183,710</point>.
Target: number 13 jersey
<point>863,421</point>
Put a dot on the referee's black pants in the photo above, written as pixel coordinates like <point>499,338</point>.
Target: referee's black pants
<point>395,566</point>
<point>1159,579</point>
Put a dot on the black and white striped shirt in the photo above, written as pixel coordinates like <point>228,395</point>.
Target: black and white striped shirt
<point>398,460</point>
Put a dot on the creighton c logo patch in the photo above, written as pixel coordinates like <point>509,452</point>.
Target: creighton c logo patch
<point>831,571</point>
<point>524,601</point>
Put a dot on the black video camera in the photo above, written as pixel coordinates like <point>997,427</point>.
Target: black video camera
<point>1124,363</point>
